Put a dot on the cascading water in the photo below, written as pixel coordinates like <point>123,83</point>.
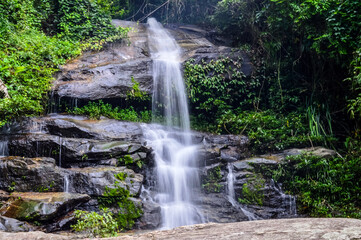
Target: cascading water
<point>288,201</point>
<point>4,150</point>
<point>231,194</point>
<point>175,156</point>
<point>66,183</point>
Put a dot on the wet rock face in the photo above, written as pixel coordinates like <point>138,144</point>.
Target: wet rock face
<point>42,174</point>
<point>76,141</point>
<point>107,74</point>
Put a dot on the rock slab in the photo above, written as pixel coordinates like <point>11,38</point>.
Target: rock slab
<point>281,229</point>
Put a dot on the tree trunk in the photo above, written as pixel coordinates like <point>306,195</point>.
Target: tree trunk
<point>3,90</point>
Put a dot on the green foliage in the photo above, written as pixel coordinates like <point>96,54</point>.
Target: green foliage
<point>96,224</point>
<point>127,160</point>
<point>324,187</point>
<point>136,94</point>
<point>95,110</point>
<point>119,196</point>
<point>211,181</point>
<point>48,187</point>
<point>218,86</point>
<point>36,37</point>
<point>11,187</point>
<point>269,131</point>
<point>252,192</point>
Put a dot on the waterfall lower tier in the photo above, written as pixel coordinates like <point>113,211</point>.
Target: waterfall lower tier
<point>176,176</point>
<point>175,157</point>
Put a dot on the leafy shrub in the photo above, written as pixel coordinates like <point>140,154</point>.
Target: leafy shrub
<point>269,131</point>
<point>252,191</point>
<point>324,187</point>
<point>36,37</point>
<point>95,110</point>
<point>219,85</point>
<point>96,224</point>
<point>118,196</point>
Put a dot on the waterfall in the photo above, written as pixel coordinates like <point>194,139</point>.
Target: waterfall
<point>176,171</point>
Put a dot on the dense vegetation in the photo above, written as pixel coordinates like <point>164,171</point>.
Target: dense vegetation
<point>36,37</point>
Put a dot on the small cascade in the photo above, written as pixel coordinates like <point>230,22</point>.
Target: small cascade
<point>230,185</point>
<point>60,146</point>
<point>54,103</point>
<point>66,183</point>
<point>288,201</point>
<point>36,126</point>
<point>4,149</point>
<point>231,195</point>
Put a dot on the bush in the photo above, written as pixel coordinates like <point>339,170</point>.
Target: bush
<point>324,187</point>
<point>36,37</point>
<point>119,196</point>
<point>219,85</point>
<point>95,224</point>
<point>95,110</point>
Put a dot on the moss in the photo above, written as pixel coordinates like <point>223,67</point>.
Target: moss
<point>120,197</point>
<point>252,191</point>
<point>211,182</point>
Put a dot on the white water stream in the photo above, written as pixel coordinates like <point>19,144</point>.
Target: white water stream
<point>4,150</point>
<point>175,155</point>
<point>231,194</point>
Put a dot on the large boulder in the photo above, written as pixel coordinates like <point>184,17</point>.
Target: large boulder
<point>32,206</point>
<point>42,174</point>
<point>76,141</point>
<point>14,225</point>
<point>108,73</point>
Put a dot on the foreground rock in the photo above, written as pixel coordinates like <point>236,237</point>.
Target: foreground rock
<point>281,229</point>
<point>13,225</point>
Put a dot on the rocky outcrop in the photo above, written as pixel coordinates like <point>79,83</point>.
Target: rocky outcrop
<point>108,74</point>
<point>42,174</point>
<point>254,195</point>
<point>76,141</point>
